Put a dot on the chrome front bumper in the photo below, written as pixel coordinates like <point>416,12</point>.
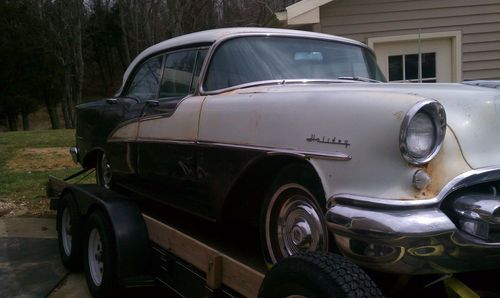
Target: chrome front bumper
<point>420,238</point>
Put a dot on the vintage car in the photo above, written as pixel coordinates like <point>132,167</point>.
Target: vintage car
<point>298,134</point>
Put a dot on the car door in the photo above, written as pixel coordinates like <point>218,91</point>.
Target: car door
<point>168,130</point>
<point>123,114</point>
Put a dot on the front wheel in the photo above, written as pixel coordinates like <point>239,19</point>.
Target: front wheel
<point>99,256</point>
<point>292,220</point>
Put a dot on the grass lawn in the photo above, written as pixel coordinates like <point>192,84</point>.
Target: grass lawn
<point>27,158</point>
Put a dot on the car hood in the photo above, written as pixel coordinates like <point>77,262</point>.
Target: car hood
<point>473,113</point>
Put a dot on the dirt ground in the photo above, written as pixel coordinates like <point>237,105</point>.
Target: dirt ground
<point>40,159</point>
<point>8,209</point>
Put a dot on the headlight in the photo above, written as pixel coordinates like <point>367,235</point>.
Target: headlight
<point>422,132</point>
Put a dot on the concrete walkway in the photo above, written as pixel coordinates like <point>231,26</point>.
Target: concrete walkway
<point>30,265</point>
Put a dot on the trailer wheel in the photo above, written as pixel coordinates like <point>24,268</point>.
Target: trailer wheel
<point>292,219</point>
<point>317,275</point>
<point>99,256</point>
<point>69,232</point>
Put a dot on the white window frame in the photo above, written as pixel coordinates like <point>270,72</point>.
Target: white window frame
<point>404,80</point>
<point>456,46</point>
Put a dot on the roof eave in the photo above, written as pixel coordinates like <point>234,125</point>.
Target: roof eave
<point>302,13</point>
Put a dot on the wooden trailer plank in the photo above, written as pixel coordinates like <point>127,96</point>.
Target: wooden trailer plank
<point>214,272</point>
<point>234,274</point>
<point>240,277</point>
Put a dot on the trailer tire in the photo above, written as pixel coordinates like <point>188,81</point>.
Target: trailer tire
<point>317,274</point>
<point>100,256</point>
<point>69,232</point>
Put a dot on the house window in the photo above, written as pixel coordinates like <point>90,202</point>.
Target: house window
<point>404,68</point>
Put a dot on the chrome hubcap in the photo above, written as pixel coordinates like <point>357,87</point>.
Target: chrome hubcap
<point>299,227</point>
<point>66,231</point>
<point>301,234</point>
<point>95,252</point>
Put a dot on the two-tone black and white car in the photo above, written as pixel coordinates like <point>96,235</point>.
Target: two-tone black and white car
<point>297,133</point>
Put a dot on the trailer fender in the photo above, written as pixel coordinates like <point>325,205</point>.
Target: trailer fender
<point>133,250</point>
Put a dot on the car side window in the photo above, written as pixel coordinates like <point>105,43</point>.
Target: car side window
<point>178,74</point>
<point>146,80</point>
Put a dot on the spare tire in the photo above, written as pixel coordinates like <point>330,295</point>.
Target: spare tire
<point>317,275</point>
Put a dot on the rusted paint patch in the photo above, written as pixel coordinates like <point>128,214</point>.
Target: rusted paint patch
<point>399,115</point>
<point>448,164</point>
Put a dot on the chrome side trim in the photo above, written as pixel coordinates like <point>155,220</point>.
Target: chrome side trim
<point>309,154</point>
<point>116,140</point>
<point>271,151</point>
<point>175,142</point>
<point>482,175</point>
<point>336,155</point>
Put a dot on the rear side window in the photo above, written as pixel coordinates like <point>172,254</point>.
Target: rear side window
<point>146,80</point>
<point>178,74</point>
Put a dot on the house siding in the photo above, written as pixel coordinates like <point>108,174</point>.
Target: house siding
<point>478,20</point>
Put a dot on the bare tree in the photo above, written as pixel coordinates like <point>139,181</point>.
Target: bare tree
<point>85,45</point>
<point>65,21</point>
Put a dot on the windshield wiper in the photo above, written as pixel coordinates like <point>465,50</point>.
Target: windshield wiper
<point>256,84</point>
<point>360,79</point>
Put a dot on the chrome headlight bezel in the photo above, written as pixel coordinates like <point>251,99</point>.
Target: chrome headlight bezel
<point>436,112</point>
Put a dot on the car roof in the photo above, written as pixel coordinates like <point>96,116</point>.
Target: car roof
<point>213,35</point>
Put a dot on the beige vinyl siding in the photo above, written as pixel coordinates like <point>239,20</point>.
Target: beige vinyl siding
<point>478,20</point>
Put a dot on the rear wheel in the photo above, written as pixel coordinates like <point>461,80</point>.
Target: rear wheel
<point>104,175</point>
<point>99,256</point>
<point>292,220</point>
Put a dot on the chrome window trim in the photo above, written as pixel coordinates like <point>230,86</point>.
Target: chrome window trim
<point>438,116</point>
<point>477,176</point>
<point>220,41</point>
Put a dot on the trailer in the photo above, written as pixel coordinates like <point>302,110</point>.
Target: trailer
<point>123,245</point>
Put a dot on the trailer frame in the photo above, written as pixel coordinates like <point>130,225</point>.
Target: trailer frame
<point>179,255</point>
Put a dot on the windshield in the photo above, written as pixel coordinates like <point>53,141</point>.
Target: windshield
<point>259,58</point>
